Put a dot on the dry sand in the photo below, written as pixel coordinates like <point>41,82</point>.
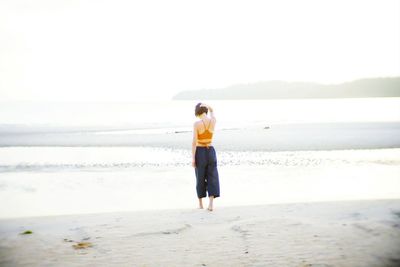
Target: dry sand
<point>348,233</point>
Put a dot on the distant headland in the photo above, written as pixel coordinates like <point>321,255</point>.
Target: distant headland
<point>369,87</point>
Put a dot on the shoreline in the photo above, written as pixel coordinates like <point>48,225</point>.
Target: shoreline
<point>172,210</point>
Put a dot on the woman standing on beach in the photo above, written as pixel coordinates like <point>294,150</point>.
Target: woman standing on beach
<point>204,158</point>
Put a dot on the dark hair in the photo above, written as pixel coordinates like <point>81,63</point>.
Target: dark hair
<point>200,110</point>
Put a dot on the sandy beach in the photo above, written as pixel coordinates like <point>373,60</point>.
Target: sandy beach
<point>344,233</point>
<point>321,192</point>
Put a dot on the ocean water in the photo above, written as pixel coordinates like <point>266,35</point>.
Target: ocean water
<point>167,116</point>
<point>42,174</point>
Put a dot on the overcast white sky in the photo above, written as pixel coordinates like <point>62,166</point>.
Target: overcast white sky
<point>130,50</point>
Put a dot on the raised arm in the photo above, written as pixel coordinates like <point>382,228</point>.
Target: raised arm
<point>211,110</point>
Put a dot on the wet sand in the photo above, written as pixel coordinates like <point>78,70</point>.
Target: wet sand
<point>70,180</point>
<point>268,137</point>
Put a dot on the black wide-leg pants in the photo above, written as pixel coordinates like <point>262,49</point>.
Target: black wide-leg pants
<point>207,179</point>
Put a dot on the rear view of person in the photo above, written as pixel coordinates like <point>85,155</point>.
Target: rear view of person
<point>204,158</point>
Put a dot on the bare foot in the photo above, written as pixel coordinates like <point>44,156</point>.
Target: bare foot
<point>210,205</point>
<point>200,203</point>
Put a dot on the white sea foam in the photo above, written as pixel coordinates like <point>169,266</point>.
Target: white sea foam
<point>65,180</point>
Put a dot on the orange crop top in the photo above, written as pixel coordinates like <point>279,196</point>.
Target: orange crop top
<point>206,135</point>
